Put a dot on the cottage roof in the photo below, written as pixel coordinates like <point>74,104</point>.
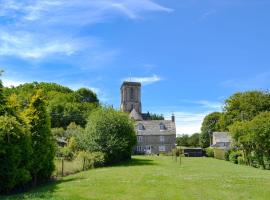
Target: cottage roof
<point>153,127</point>
<point>135,115</point>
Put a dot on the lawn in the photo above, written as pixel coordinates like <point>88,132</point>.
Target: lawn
<point>161,178</point>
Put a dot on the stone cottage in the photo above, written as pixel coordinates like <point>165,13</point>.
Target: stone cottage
<point>153,136</point>
<point>221,144</point>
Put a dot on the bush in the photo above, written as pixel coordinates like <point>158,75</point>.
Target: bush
<point>110,132</point>
<point>15,154</point>
<point>233,157</point>
<point>66,153</point>
<point>227,155</point>
<point>91,160</point>
<point>241,160</point>
<point>210,152</point>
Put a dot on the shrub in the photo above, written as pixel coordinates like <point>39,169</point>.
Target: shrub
<point>210,152</point>
<point>227,155</point>
<point>110,132</point>
<point>15,154</point>
<point>233,157</point>
<point>91,160</point>
<point>66,153</point>
<point>241,160</point>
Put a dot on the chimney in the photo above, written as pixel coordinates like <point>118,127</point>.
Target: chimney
<point>173,118</point>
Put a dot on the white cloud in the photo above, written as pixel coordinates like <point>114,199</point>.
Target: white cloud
<point>40,28</point>
<point>144,80</point>
<point>210,104</point>
<point>31,46</point>
<point>11,83</point>
<point>188,122</point>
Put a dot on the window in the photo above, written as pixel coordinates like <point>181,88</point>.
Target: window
<point>139,148</point>
<point>161,138</point>
<point>131,93</point>
<point>162,127</point>
<point>139,138</point>
<point>140,127</point>
<point>161,148</point>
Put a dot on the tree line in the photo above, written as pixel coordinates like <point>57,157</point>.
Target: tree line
<point>246,116</point>
<point>34,116</point>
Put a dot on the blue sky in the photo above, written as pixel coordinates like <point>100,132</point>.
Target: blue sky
<point>190,55</point>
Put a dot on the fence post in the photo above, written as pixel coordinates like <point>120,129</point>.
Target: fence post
<point>62,167</point>
<point>83,164</point>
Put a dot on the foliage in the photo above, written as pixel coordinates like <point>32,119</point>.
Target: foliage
<point>43,143</point>
<point>91,160</point>
<point>210,152</point>
<point>153,116</point>
<point>245,106</point>
<point>64,105</point>
<point>66,153</point>
<point>110,132</point>
<point>211,123</point>
<point>253,137</point>
<point>233,156</point>
<point>194,140</point>
<point>188,141</point>
<point>15,153</point>
<point>182,140</point>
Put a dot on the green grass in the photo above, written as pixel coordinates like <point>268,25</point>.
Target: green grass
<point>161,178</point>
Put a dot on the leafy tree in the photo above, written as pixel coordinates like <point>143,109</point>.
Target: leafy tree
<point>245,106</point>
<point>43,143</point>
<point>110,132</point>
<point>253,136</point>
<point>182,140</point>
<point>194,140</point>
<point>211,123</point>
<point>15,153</point>
<point>86,95</point>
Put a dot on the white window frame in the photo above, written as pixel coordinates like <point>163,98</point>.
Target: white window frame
<point>162,148</point>
<point>162,138</point>
<point>139,138</point>
<point>139,149</point>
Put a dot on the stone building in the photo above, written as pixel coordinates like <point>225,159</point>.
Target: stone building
<point>221,144</point>
<point>153,136</point>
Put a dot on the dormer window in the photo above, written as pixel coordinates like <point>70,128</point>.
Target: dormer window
<point>141,127</point>
<point>162,127</point>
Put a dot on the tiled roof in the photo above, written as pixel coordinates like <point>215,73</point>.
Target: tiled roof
<point>152,127</point>
<point>135,115</point>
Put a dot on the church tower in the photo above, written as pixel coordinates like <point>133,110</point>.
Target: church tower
<point>131,97</point>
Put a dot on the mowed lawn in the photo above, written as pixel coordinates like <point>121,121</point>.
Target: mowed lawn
<point>158,178</point>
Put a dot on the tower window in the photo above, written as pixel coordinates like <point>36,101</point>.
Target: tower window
<point>132,93</point>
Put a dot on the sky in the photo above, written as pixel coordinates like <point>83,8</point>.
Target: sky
<point>190,55</point>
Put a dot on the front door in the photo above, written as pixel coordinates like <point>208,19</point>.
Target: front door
<point>148,149</point>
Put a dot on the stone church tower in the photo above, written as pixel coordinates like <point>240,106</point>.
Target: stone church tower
<point>131,97</point>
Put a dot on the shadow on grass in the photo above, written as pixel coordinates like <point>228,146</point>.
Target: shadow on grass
<point>43,191</point>
<point>137,162</point>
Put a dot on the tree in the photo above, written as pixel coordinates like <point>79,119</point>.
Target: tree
<point>182,140</point>
<point>15,153</point>
<point>211,123</point>
<point>194,140</point>
<point>110,132</point>
<point>254,136</point>
<point>43,143</point>
<point>86,95</point>
<point>245,106</point>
